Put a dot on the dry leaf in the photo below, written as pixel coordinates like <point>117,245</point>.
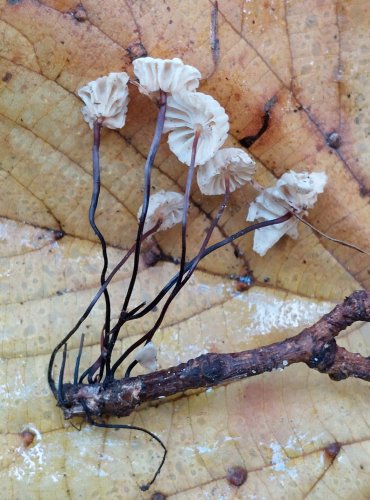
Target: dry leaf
<point>314,57</point>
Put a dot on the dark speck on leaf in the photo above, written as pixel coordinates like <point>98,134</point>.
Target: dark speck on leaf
<point>79,13</point>
<point>332,450</point>
<point>333,140</point>
<point>27,438</point>
<point>158,496</point>
<point>236,476</point>
<point>7,77</point>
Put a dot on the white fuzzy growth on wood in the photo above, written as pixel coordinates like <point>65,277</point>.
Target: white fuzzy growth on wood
<point>232,162</point>
<point>106,98</point>
<point>169,75</point>
<point>294,192</point>
<point>164,206</point>
<point>189,112</point>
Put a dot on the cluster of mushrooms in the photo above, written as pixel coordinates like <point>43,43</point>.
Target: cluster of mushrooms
<point>197,128</point>
<point>194,115</point>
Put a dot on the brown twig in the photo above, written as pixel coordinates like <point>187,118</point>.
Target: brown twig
<point>315,346</point>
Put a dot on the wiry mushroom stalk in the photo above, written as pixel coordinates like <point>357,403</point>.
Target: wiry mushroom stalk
<point>189,181</point>
<point>92,211</point>
<point>147,182</point>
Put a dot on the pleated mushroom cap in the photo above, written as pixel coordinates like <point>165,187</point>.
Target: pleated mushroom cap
<point>188,112</point>
<point>169,75</point>
<point>106,98</point>
<point>294,192</point>
<point>299,190</point>
<point>232,162</point>
<point>164,206</point>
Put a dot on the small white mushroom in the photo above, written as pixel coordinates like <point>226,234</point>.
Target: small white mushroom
<point>295,192</point>
<point>164,206</point>
<point>232,162</point>
<point>298,191</point>
<point>189,112</point>
<point>169,75</point>
<point>106,98</point>
<point>147,357</point>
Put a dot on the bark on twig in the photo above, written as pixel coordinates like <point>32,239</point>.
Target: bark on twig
<point>315,346</point>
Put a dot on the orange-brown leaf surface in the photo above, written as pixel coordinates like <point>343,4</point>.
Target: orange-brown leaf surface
<point>314,56</point>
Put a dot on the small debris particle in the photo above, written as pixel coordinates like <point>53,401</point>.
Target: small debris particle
<point>135,50</point>
<point>27,438</point>
<point>158,496</point>
<point>333,140</point>
<point>285,362</point>
<point>7,77</point>
<point>236,475</point>
<point>29,434</point>
<point>244,281</point>
<point>58,234</point>
<point>79,13</point>
<point>332,450</point>
<point>237,252</point>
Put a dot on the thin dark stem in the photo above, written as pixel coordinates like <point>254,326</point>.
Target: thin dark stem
<point>206,252</point>
<point>189,181</point>
<point>88,311</point>
<point>179,285</point>
<point>61,377</point>
<point>331,238</point>
<point>78,360</point>
<point>99,363</point>
<point>147,181</point>
<point>92,211</point>
<point>134,314</point>
<point>91,421</point>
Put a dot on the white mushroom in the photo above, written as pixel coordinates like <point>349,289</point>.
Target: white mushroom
<point>188,112</point>
<point>147,357</point>
<point>106,98</point>
<point>164,206</point>
<point>169,75</point>
<point>292,192</point>
<point>232,162</point>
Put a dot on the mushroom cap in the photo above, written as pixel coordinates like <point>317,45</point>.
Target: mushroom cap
<point>188,112</point>
<point>299,191</point>
<point>106,98</point>
<point>147,357</point>
<point>266,208</point>
<point>169,75</point>
<point>293,192</point>
<point>234,162</point>
<point>166,206</point>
